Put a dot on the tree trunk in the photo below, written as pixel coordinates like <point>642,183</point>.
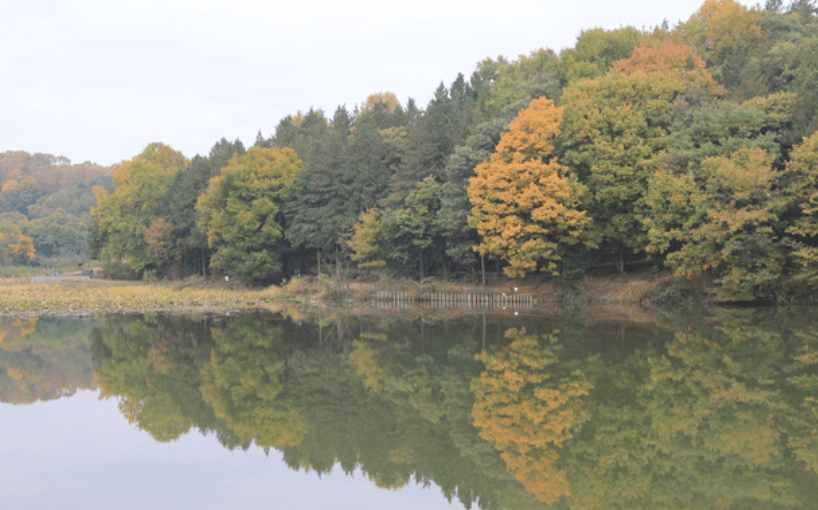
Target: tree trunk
<point>420,262</point>
<point>620,261</point>
<point>483,268</point>
<point>319,260</point>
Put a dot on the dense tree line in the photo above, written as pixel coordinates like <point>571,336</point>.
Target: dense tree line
<point>691,147</point>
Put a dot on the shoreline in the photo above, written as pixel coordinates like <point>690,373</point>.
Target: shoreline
<point>90,297</point>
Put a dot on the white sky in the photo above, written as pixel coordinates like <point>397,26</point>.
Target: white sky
<point>98,80</point>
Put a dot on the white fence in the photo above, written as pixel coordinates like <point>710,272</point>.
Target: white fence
<point>392,299</point>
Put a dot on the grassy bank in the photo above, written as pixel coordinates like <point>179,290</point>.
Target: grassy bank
<point>21,296</point>
<point>102,296</point>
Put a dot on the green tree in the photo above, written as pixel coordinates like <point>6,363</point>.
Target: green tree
<point>318,211</point>
<point>453,216</point>
<point>153,365</point>
<point>728,35</point>
<point>414,225</point>
<point>241,211</point>
<point>802,194</point>
<point>595,52</point>
<point>430,140</point>
<point>616,132</point>
<point>244,383</point>
<point>58,234</point>
<point>735,236</point>
<point>713,127</point>
<point>122,217</point>
<point>805,9</point>
<point>677,200</point>
<point>498,85</point>
<point>773,5</point>
<point>180,235</point>
<point>374,153</point>
<point>804,74</point>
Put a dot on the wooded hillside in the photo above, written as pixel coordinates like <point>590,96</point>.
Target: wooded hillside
<point>45,204</point>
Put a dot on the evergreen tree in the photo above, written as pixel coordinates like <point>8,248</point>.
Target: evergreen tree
<point>805,9</point>
<point>317,211</point>
<point>187,243</point>
<point>373,154</point>
<point>413,227</point>
<point>773,5</point>
<point>454,209</point>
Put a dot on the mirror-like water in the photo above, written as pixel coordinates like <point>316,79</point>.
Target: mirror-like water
<point>573,410</point>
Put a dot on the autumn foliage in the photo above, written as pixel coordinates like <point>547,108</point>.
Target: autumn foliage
<point>524,204</point>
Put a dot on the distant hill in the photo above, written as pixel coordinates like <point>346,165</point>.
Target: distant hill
<point>48,199</point>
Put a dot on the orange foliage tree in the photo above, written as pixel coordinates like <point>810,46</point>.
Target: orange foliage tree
<point>524,203</point>
<point>661,54</point>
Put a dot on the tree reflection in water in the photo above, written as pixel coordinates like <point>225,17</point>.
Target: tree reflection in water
<point>716,412</point>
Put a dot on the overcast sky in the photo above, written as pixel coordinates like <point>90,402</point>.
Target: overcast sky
<point>98,80</point>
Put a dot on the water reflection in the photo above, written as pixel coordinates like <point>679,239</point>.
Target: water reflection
<point>711,411</point>
<point>44,359</point>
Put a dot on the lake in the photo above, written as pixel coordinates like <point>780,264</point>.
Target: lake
<point>568,409</point>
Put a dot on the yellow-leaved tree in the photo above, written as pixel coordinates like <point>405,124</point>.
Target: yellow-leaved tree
<point>525,205</point>
<point>801,175</point>
<point>16,248</point>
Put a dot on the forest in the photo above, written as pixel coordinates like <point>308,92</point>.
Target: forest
<point>692,149</point>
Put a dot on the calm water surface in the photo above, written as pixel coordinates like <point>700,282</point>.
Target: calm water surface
<point>570,410</point>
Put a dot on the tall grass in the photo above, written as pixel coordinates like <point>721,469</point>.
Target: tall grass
<point>93,296</point>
